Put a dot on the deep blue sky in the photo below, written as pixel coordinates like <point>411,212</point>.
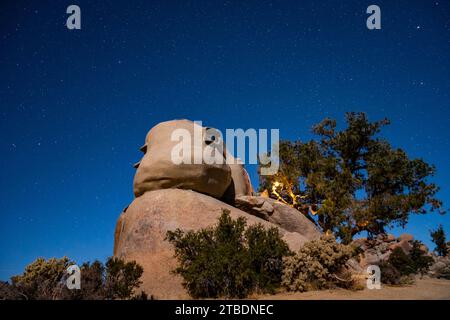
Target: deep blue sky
<point>76,105</point>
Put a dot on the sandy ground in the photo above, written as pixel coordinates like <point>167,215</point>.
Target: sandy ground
<point>423,289</point>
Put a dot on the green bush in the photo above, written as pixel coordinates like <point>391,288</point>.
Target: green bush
<point>390,275</point>
<point>401,261</point>
<point>229,260</point>
<point>121,278</point>
<point>41,279</point>
<point>400,266</point>
<point>439,239</point>
<point>319,264</point>
<point>420,261</point>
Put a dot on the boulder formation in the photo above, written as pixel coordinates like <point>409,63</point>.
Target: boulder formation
<point>440,268</point>
<point>380,248</point>
<point>190,197</point>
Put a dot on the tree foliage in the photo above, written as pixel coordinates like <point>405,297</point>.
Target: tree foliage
<point>421,262</point>
<point>46,280</point>
<point>352,179</point>
<point>438,237</point>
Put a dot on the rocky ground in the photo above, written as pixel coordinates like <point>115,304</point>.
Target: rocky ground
<point>422,289</point>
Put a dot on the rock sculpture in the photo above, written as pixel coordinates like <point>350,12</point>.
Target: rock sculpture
<point>190,197</point>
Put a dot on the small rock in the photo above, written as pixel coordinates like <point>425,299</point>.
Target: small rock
<point>383,247</point>
<point>267,207</point>
<point>381,236</point>
<point>390,237</point>
<point>404,244</point>
<point>406,236</point>
<point>370,258</point>
<point>385,256</point>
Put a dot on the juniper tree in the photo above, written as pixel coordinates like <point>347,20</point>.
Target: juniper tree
<point>438,237</point>
<point>352,180</point>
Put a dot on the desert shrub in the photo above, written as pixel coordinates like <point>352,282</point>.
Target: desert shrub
<point>10,292</point>
<point>421,262</point>
<point>416,261</point>
<point>41,279</point>
<point>92,283</point>
<point>121,278</point>
<point>390,275</point>
<point>401,261</point>
<point>229,260</point>
<point>116,279</point>
<point>46,280</point>
<point>319,264</point>
<point>400,266</point>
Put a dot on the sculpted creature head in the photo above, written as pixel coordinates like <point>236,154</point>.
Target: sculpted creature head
<point>158,168</point>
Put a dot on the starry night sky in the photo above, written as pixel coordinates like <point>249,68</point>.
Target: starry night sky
<point>75,105</point>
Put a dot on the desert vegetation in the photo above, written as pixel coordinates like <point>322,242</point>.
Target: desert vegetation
<point>400,267</point>
<point>46,280</point>
<point>439,239</point>
<point>233,261</point>
<point>229,260</point>
<point>319,264</point>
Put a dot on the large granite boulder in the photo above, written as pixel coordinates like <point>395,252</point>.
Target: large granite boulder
<point>141,230</point>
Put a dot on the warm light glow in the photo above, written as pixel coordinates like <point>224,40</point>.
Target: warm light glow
<point>265,194</point>
<point>275,185</point>
<point>312,211</point>
<point>363,224</point>
<point>288,187</point>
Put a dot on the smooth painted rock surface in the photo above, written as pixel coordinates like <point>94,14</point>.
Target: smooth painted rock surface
<point>157,169</point>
